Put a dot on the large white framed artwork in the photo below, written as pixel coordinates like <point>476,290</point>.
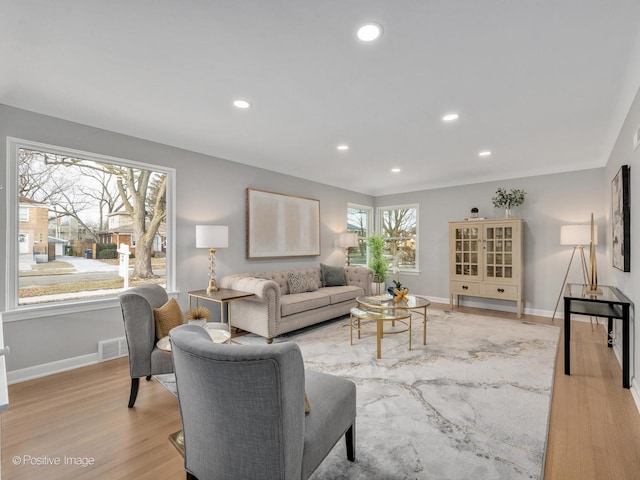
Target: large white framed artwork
<point>280,225</point>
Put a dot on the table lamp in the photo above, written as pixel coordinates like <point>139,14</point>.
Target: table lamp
<point>347,240</point>
<point>212,237</point>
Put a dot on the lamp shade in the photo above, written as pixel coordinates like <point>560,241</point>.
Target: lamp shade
<point>578,234</point>
<point>347,240</point>
<point>212,236</point>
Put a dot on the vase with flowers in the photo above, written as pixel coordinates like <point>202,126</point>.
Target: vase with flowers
<point>508,200</point>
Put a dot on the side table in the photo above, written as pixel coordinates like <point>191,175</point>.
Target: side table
<point>610,304</point>
<point>223,297</point>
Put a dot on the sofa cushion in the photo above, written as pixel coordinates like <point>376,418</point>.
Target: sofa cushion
<point>342,294</point>
<point>301,282</point>
<point>332,276</point>
<point>301,302</point>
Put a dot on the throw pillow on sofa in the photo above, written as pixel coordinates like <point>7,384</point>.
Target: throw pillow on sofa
<point>333,276</point>
<point>301,282</point>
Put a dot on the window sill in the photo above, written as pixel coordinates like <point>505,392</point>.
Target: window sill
<point>30,312</point>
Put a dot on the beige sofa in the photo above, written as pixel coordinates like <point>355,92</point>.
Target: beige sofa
<point>274,310</point>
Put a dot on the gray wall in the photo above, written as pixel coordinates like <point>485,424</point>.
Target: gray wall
<point>209,191</point>
<point>552,201</point>
<point>629,282</point>
<point>212,191</point>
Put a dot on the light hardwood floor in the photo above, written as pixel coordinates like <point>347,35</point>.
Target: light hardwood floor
<point>594,431</point>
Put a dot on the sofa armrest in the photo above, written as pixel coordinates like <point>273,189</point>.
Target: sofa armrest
<point>360,277</point>
<point>263,289</point>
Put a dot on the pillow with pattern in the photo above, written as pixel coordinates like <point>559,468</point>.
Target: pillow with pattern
<point>301,282</point>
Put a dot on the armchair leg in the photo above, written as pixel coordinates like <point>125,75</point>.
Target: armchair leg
<point>191,476</point>
<point>350,437</point>
<point>147,378</point>
<point>135,383</point>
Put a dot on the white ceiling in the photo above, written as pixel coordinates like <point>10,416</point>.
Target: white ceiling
<point>544,84</point>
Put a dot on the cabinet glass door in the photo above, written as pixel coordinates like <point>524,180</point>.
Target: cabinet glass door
<point>499,252</point>
<point>466,251</point>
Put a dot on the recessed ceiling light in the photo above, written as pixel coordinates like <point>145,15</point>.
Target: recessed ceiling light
<point>450,117</point>
<point>370,32</point>
<point>343,147</point>
<point>395,170</point>
<point>484,153</point>
<point>241,104</point>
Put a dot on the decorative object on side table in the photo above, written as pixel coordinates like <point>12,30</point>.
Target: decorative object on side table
<point>198,316</point>
<point>508,200</point>
<point>377,263</point>
<point>212,237</point>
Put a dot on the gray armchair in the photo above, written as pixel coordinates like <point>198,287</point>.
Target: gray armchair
<point>242,409</point>
<point>145,358</point>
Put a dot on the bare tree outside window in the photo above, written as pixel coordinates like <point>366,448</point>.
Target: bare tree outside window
<point>78,208</point>
<point>400,231</point>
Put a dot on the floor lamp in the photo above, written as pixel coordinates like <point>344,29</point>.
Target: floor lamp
<point>578,236</point>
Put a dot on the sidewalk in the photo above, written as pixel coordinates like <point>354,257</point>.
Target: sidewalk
<point>80,264</point>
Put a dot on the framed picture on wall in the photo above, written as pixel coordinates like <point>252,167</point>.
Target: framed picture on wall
<point>281,225</point>
<point>621,221</point>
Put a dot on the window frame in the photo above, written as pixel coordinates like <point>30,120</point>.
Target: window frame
<point>370,226</point>
<point>379,214</point>
<point>18,312</point>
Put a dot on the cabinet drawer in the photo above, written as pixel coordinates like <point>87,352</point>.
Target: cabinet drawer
<point>464,288</point>
<point>497,290</point>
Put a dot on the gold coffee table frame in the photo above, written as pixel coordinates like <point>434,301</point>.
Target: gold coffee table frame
<point>382,308</point>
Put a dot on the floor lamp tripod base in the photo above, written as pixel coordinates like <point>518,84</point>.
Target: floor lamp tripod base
<point>564,282</point>
<point>594,288</point>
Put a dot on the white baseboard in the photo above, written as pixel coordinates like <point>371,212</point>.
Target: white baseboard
<point>29,373</point>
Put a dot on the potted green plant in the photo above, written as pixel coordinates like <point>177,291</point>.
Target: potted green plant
<point>508,200</point>
<point>377,263</point>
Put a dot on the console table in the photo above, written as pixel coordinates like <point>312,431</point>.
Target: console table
<point>610,304</point>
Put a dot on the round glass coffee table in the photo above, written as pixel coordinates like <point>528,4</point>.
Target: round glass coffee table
<point>383,308</point>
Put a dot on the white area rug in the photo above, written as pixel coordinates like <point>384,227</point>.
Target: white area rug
<point>471,404</point>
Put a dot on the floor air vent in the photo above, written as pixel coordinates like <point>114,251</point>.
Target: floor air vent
<point>110,349</point>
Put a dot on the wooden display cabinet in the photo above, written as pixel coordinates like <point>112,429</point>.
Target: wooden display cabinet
<point>485,260</point>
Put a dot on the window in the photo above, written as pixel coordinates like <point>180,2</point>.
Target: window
<point>71,198</point>
<point>359,221</point>
<point>399,227</point>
